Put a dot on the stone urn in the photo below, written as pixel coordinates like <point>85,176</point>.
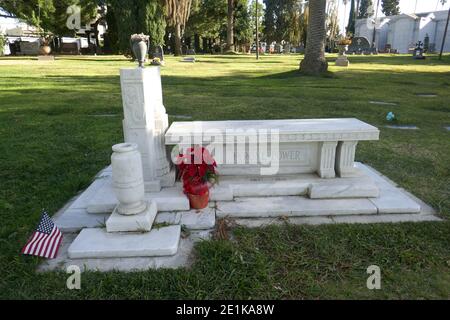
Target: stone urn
<point>342,59</point>
<point>127,176</point>
<point>139,47</point>
<point>45,50</point>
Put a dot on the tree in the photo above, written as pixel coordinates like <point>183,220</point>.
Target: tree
<point>332,22</point>
<point>50,16</point>
<point>230,26</point>
<point>282,20</point>
<point>136,16</point>
<point>390,7</point>
<point>178,12</point>
<point>304,18</point>
<point>243,24</point>
<point>351,19</point>
<point>314,62</point>
<point>208,21</point>
<point>364,8</point>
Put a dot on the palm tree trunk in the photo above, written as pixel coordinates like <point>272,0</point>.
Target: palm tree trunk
<point>177,51</point>
<point>230,27</point>
<point>314,62</point>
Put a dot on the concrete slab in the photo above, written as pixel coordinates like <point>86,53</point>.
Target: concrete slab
<point>292,206</point>
<point>73,220</point>
<point>383,103</point>
<point>198,219</point>
<point>131,264</point>
<point>168,218</point>
<point>404,127</point>
<point>168,199</point>
<point>360,185</point>
<point>394,201</point>
<point>136,222</point>
<point>363,188</point>
<point>97,243</point>
<point>83,199</point>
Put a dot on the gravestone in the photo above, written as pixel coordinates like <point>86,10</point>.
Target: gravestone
<point>359,45</point>
<point>29,48</point>
<point>157,52</point>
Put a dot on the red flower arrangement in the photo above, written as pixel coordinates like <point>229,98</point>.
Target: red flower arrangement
<point>197,170</point>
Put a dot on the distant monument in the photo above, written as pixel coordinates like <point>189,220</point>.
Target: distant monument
<point>360,45</point>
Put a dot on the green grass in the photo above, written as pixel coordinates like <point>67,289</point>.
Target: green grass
<point>55,137</point>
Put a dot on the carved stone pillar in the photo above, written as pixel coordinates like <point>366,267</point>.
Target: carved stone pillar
<point>327,157</point>
<point>345,157</point>
<point>145,123</point>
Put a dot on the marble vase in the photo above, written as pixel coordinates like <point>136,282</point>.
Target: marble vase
<point>342,60</point>
<point>128,181</point>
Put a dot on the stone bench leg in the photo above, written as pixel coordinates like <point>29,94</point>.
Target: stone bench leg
<point>345,157</point>
<point>327,157</point>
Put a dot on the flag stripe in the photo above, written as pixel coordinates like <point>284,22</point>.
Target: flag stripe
<point>46,241</point>
<point>49,248</point>
<point>30,241</point>
<point>56,246</point>
<point>41,235</point>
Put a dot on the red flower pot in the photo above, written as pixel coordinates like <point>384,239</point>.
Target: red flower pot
<point>198,201</point>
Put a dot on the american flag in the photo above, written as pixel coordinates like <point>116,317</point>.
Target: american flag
<point>45,240</point>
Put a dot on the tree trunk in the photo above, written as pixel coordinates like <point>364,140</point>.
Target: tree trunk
<point>197,43</point>
<point>177,50</point>
<point>230,27</point>
<point>314,62</point>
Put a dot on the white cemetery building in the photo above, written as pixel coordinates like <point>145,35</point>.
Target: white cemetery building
<point>403,31</point>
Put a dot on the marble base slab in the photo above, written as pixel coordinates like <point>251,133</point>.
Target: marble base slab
<point>360,185</point>
<point>129,264</point>
<point>97,243</point>
<point>137,222</point>
<point>292,206</point>
<point>168,199</point>
<point>199,219</point>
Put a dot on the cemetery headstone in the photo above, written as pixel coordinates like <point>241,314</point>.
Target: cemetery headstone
<point>360,45</point>
<point>418,51</point>
<point>188,59</point>
<point>157,52</point>
<point>404,127</point>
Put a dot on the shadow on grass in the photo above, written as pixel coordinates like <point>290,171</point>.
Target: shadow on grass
<point>398,60</point>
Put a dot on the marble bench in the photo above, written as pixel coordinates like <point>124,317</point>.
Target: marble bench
<point>324,146</point>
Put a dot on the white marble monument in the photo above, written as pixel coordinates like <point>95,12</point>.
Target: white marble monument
<point>306,174</point>
<point>145,122</point>
<point>324,146</point>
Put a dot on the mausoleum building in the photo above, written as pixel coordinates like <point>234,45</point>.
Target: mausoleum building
<point>401,32</point>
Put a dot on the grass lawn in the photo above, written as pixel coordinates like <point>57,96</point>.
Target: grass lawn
<point>58,121</point>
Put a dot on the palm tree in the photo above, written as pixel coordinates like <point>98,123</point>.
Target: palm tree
<point>314,62</point>
<point>230,27</point>
<point>178,12</point>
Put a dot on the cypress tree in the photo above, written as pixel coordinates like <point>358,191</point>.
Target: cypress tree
<point>351,19</point>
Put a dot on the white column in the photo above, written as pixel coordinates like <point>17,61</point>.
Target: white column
<point>345,157</point>
<point>145,123</point>
<point>327,153</point>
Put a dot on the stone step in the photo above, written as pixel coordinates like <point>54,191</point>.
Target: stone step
<point>168,199</point>
<point>349,219</point>
<point>97,243</point>
<point>293,206</point>
<point>202,219</point>
<point>359,186</point>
